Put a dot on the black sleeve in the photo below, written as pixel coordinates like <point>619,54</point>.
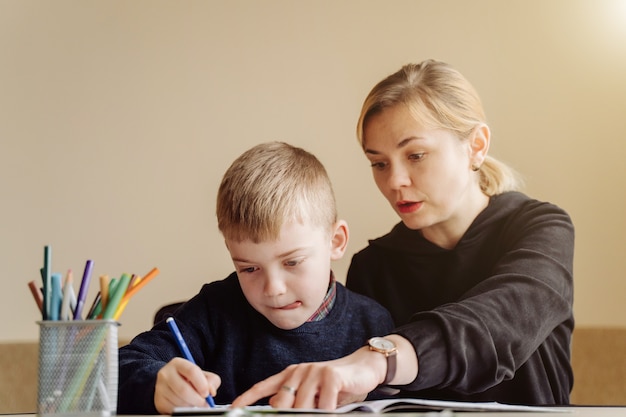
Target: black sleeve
<point>141,360</point>
<point>476,343</point>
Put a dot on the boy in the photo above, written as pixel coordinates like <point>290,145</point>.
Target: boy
<point>282,305</point>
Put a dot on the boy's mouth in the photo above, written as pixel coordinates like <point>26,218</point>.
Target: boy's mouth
<point>291,306</point>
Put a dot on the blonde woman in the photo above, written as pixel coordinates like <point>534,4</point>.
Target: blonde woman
<point>477,276</point>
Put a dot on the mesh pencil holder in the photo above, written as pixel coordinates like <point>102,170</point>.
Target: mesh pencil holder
<point>78,368</point>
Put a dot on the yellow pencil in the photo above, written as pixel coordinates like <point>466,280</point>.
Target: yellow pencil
<point>104,291</point>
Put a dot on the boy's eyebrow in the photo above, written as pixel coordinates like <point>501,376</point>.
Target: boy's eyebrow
<point>400,144</point>
<point>281,255</point>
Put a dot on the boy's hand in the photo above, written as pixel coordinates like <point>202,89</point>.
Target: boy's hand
<point>180,383</point>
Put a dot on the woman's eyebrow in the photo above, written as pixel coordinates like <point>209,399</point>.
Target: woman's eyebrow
<point>400,144</point>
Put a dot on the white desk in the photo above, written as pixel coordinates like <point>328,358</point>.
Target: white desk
<point>573,412</point>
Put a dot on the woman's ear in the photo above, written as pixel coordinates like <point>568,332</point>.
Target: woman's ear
<point>339,240</point>
<point>479,145</point>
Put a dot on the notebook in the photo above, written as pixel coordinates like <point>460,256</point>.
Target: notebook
<point>375,406</point>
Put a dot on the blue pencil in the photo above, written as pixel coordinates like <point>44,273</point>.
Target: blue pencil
<point>185,350</point>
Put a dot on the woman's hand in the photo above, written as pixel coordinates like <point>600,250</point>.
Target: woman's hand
<point>181,383</point>
<point>325,385</point>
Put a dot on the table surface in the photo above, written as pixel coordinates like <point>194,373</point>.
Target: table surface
<point>572,411</point>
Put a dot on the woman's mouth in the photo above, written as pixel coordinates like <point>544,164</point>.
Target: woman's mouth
<point>408,206</point>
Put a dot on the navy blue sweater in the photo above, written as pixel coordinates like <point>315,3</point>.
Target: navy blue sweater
<point>228,337</point>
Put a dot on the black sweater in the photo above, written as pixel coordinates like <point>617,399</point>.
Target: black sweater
<point>491,319</point>
<point>228,337</point>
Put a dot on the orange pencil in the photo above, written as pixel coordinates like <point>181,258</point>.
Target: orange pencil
<point>132,291</point>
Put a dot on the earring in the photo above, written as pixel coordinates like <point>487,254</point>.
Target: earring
<point>475,167</point>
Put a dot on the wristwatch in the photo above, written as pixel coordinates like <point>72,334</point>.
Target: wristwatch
<point>389,349</point>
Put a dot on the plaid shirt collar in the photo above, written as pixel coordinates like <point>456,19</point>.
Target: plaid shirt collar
<point>328,302</point>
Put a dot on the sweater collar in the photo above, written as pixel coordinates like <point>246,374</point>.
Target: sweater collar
<point>328,302</point>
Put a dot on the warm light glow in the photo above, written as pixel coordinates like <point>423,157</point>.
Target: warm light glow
<point>611,18</point>
<point>601,34</point>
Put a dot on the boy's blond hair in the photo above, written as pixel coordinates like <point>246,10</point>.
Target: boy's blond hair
<point>269,185</point>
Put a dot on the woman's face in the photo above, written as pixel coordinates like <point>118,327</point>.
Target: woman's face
<point>425,174</point>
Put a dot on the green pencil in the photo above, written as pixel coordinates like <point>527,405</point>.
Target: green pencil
<point>116,297</point>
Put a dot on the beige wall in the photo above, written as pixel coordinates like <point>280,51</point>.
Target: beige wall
<point>117,119</point>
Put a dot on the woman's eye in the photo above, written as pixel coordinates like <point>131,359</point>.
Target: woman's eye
<point>416,156</point>
<point>248,270</point>
<point>378,165</point>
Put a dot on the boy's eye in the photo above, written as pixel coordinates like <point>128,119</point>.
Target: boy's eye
<point>293,262</point>
<point>248,270</point>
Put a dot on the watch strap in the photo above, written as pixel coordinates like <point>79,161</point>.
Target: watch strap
<point>392,364</point>
<point>389,351</point>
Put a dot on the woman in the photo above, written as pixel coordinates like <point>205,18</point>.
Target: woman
<point>477,276</point>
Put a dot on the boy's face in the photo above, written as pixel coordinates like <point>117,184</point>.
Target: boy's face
<point>287,279</point>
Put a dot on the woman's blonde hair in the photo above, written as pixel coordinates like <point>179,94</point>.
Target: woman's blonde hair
<point>269,185</point>
<point>439,97</point>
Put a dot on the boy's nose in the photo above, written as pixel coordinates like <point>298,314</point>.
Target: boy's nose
<point>274,285</point>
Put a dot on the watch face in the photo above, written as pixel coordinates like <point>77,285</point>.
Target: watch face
<point>382,343</point>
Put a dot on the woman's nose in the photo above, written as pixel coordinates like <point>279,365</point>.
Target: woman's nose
<point>398,177</point>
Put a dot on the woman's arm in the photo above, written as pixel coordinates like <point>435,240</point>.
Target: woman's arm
<point>493,329</point>
<point>333,383</point>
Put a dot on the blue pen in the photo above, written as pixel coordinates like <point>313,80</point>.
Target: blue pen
<point>185,350</point>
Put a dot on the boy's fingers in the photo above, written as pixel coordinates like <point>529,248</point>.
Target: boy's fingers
<point>214,382</point>
<point>188,370</point>
<point>193,384</point>
<point>172,389</point>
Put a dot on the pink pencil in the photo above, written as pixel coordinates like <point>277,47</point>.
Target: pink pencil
<point>37,295</point>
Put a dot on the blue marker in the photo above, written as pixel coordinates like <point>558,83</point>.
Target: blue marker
<point>185,350</point>
<point>56,295</point>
